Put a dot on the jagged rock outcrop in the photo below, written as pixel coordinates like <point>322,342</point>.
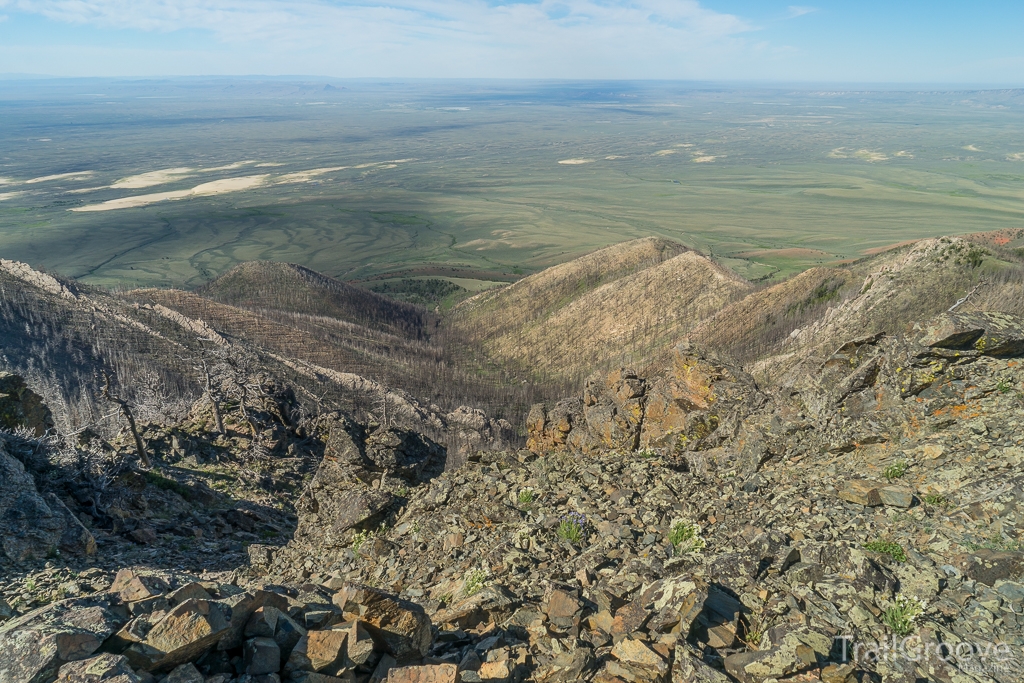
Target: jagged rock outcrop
<point>696,404</point>
<point>22,407</point>
<point>34,525</point>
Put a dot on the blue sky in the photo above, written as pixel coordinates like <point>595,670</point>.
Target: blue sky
<point>865,41</point>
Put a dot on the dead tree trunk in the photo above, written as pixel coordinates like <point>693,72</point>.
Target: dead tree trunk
<point>214,403</point>
<point>127,412</point>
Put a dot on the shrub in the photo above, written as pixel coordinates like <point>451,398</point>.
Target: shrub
<point>890,548</point>
<point>526,497</point>
<point>572,528</point>
<point>896,470</point>
<point>685,538</point>
<point>473,582</point>
<point>900,616</point>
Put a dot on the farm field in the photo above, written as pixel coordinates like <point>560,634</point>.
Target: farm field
<point>171,183</point>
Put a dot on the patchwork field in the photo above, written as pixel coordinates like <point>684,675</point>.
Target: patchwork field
<point>172,183</point>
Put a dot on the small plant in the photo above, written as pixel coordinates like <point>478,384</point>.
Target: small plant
<point>896,470</point>
<point>1004,386</point>
<point>52,553</point>
<point>646,453</point>
<point>402,492</point>
<point>573,528</point>
<point>446,599</point>
<point>890,548</point>
<point>685,538</point>
<point>937,500</point>
<point>900,616</point>
<point>473,582</point>
<point>30,585</point>
<point>359,539</point>
<point>526,497</point>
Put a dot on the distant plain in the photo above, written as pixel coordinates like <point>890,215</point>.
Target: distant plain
<point>171,183</point>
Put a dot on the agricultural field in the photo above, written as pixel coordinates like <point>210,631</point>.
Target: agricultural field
<point>171,183</point>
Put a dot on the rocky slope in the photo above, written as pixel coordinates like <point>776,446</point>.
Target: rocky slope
<point>854,493</point>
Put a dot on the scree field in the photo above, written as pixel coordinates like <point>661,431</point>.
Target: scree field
<point>170,183</point>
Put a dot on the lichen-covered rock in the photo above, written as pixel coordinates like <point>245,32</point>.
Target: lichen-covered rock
<point>34,646</point>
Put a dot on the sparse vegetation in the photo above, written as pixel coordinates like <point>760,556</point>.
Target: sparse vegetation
<point>526,497</point>
<point>901,614</point>
<point>572,528</point>
<point>473,581</point>
<point>937,500</point>
<point>896,470</point>
<point>685,538</point>
<point>891,548</point>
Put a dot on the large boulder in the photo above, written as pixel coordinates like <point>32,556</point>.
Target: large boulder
<point>401,626</point>
<point>988,333</point>
<point>337,499</point>
<point>34,646</point>
<point>31,525</point>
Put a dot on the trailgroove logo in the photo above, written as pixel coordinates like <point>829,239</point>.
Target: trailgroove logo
<point>980,658</point>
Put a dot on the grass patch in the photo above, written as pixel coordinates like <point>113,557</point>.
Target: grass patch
<point>165,484</point>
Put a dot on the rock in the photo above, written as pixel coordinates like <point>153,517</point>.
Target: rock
<point>563,609</point>
<point>22,407</point>
<point>497,672</point>
<point>402,626</point>
<point>35,526</point>
<point>896,496</point>
<point>182,635</point>
<point>799,649</point>
<point>326,650</point>
<point>336,500</point>
<point>838,673</point>
<point>861,492</point>
<point>132,587</point>
<point>186,673</point>
<point>6,611</point>
<point>105,667</point>
<point>240,608</point>
<point>636,654</point>
<point>433,673</point>
<point>360,646</point>
<point>689,669</point>
<point>261,656</point>
<point>34,646</point>
<point>989,566</point>
<point>190,591</point>
<point>988,333</point>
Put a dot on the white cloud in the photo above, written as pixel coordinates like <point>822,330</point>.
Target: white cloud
<point>434,37</point>
<point>800,10</point>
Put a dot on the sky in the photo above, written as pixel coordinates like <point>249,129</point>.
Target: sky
<point>849,41</point>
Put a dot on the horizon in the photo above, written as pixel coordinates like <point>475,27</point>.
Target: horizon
<point>714,41</point>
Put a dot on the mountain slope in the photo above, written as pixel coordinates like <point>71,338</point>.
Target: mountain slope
<point>272,286</point>
<point>615,305</point>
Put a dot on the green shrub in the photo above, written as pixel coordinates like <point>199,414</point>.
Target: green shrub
<point>473,582</point>
<point>896,470</point>
<point>685,538</point>
<point>890,548</point>
<point>526,497</point>
<point>900,616</point>
<point>572,528</point>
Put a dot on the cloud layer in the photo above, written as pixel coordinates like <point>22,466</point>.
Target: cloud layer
<point>568,38</point>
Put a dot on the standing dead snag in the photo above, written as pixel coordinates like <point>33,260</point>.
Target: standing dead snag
<point>214,403</point>
<point>127,412</point>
